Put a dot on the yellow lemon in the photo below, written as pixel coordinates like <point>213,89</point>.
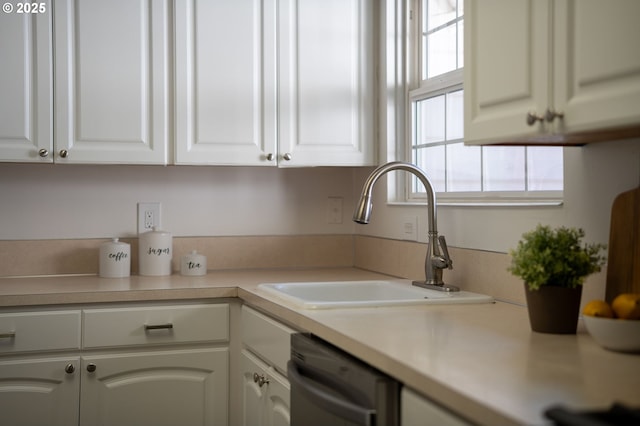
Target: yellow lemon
<point>598,308</point>
<point>627,306</point>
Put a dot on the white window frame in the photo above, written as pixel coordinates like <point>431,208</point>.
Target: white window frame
<point>415,90</point>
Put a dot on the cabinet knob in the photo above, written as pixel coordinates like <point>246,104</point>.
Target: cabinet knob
<point>69,369</point>
<point>532,117</point>
<point>287,156</point>
<point>270,157</point>
<point>44,153</point>
<point>64,153</point>
<point>91,367</point>
<point>551,115</point>
<point>260,379</point>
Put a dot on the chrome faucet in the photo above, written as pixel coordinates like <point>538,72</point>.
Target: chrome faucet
<point>435,261</point>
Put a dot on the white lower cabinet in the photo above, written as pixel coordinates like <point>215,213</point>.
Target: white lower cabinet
<point>42,391</point>
<point>417,410</point>
<point>39,361</point>
<point>139,365</point>
<point>182,387</point>
<point>265,388</point>
<point>265,393</point>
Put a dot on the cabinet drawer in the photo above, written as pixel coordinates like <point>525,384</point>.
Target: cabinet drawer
<point>39,331</point>
<point>155,325</point>
<point>267,338</point>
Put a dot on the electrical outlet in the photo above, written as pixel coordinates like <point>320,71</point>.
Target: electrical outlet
<point>148,216</point>
<point>410,228</point>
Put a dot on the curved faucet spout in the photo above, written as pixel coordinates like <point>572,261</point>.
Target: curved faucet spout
<point>435,261</point>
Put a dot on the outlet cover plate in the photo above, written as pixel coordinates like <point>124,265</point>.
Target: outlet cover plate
<point>148,216</point>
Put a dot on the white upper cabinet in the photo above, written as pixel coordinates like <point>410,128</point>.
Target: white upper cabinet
<point>112,81</point>
<point>596,63</point>
<point>286,83</point>
<point>26,88</point>
<point>225,82</point>
<point>326,82</point>
<point>552,71</point>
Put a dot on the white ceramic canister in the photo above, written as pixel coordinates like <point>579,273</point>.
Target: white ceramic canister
<point>193,264</point>
<point>115,259</point>
<point>155,250</point>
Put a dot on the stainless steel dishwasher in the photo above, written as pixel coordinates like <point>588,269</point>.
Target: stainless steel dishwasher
<point>330,387</point>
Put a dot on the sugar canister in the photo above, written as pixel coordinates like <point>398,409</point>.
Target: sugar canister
<point>155,251</point>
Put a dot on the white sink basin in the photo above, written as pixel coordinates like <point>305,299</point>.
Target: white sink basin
<point>350,294</point>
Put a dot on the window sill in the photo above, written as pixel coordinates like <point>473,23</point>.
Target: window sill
<point>483,203</point>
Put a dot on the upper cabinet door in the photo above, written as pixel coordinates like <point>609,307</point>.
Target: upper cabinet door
<point>506,67</point>
<point>112,81</point>
<point>551,71</point>
<point>225,82</point>
<point>597,65</point>
<point>26,133</point>
<point>326,82</point>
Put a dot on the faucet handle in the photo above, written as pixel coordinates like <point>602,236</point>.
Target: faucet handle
<point>445,252</point>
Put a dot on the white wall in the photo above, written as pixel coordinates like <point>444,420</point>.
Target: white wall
<point>594,175</point>
<point>68,201</point>
<point>80,201</point>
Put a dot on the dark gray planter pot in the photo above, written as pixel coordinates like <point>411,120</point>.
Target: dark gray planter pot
<point>554,309</point>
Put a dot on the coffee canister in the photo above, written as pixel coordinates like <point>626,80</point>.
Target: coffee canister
<point>193,264</point>
<point>155,250</point>
<point>115,259</point>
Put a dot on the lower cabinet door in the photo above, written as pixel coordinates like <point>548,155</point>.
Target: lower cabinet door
<point>38,392</point>
<point>252,392</point>
<point>277,403</point>
<point>265,394</point>
<point>156,388</point>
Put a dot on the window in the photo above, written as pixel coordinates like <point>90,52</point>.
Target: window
<point>459,173</point>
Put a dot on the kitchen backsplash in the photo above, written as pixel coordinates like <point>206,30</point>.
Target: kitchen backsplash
<point>473,270</point>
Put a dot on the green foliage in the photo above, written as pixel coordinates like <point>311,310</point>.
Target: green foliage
<point>546,256</point>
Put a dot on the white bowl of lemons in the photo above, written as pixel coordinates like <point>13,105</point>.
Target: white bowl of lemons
<point>617,326</point>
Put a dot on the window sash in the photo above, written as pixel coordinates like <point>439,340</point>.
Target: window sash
<point>420,89</point>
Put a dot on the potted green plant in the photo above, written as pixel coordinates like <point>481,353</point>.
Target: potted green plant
<point>553,263</point>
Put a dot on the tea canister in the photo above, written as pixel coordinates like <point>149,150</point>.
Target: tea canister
<point>155,251</point>
<point>193,264</point>
<point>115,259</point>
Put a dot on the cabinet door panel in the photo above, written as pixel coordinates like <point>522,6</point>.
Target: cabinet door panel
<point>111,78</point>
<point>225,81</point>
<point>252,394</point>
<point>506,71</point>
<point>266,405</point>
<point>326,82</point>
<point>39,392</point>
<point>188,387</point>
<point>597,69</point>
<point>26,88</point>
<point>279,400</point>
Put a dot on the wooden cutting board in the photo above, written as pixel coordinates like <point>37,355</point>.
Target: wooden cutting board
<point>623,264</point>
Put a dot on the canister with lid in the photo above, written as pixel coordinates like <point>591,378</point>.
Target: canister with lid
<point>115,259</point>
<point>193,264</point>
<point>155,251</point>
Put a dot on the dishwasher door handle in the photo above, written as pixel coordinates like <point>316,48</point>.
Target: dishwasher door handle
<point>339,406</point>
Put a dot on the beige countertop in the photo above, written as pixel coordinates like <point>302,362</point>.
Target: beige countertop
<point>482,361</point>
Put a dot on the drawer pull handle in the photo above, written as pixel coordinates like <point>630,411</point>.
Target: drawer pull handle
<point>168,326</point>
<point>8,335</point>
